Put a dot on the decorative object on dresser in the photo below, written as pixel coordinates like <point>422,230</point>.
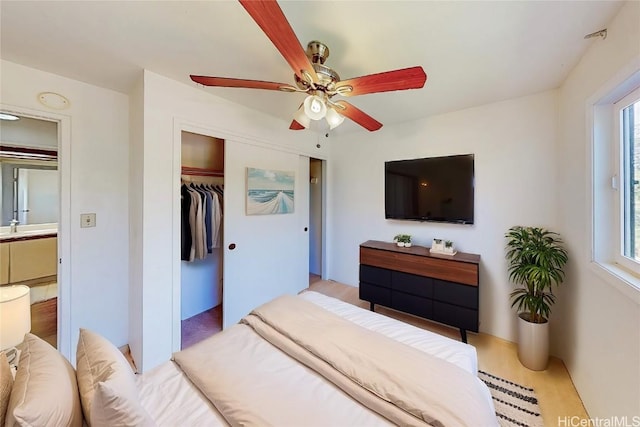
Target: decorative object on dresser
<point>415,281</point>
<point>448,248</point>
<point>536,259</point>
<point>403,240</point>
<point>441,247</point>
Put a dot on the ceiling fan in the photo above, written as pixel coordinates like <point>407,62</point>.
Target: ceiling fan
<point>312,77</point>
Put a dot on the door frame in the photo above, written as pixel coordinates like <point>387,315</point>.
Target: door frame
<point>325,203</point>
<point>181,124</point>
<point>64,218</point>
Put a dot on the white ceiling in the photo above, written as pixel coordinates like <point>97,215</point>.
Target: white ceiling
<point>474,52</point>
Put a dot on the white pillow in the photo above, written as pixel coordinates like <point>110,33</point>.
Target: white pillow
<point>107,384</point>
<point>112,408</point>
<point>45,392</point>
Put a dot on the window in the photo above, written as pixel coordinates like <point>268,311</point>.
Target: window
<point>627,119</point>
<point>613,114</point>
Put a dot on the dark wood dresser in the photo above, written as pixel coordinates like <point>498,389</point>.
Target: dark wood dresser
<point>443,288</point>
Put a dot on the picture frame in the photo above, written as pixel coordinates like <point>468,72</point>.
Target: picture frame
<point>270,192</point>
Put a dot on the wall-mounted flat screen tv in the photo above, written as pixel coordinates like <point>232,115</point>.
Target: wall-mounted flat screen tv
<point>430,189</point>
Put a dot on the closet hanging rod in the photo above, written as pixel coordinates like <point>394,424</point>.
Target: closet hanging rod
<point>186,170</point>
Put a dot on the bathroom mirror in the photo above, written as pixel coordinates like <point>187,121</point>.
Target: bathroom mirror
<point>29,171</point>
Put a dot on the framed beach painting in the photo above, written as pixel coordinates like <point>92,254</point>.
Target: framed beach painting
<point>270,192</point>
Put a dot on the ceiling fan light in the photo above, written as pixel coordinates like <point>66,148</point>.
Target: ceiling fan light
<point>334,119</point>
<point>302,118</point>
<point>314,107</point>
<point>9,117</point>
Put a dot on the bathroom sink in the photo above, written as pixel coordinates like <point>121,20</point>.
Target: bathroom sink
<point>32,232</point>
<point>26,233</point>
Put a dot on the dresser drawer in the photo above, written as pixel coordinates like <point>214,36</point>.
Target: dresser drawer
<point>412,284</point>
<point>454,293</point>
<point>412,304</point>
<point>375,294</point>
<point>460,317</point>
<point>375,275</point>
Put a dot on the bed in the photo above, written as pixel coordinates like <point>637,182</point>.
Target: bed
<point>306,360</point>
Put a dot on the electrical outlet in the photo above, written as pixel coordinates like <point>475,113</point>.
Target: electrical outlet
<point>87,220</point>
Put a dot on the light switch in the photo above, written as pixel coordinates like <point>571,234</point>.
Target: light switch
<point>87,220</point>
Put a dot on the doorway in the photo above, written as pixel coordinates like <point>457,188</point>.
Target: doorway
<point>201,196</point>
<point>264,255</point>
<point>316,223</point>
<point>30,207</point>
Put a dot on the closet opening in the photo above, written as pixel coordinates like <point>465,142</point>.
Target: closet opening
<point>201,276</point>
<point>316,219</point>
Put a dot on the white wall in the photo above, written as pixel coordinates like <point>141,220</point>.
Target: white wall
<point>168,107</point>
<point>98,165</point>
<point>596,327</point>
<point>201,284</point>
<point>514,146</point>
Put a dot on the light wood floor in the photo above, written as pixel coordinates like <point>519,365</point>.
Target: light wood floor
<point>555,390</point>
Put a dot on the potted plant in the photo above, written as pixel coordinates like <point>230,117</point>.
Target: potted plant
<point>536,260</point>
<point>448,247</point>
<point>403,240</point>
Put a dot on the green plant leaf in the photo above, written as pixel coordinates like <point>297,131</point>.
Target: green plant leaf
<point>535,261</point>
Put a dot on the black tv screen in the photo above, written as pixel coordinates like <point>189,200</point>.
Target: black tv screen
<point>430,189</point>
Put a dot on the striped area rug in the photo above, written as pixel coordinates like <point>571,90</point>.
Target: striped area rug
<point>516,405</point>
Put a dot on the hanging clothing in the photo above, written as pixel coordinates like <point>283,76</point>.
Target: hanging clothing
<point>193,219</point>
<point>207,219</point>
<point>201,220</point>
<point>216,220</point>
<point>201,246</point>
<point>185,228</point>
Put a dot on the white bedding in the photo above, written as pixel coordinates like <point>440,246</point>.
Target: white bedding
<point>171,399</point>
<point>456,352</point>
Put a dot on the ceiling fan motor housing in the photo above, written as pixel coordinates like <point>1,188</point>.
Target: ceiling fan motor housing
<point>318,52</point>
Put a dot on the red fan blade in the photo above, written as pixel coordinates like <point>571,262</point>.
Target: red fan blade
<point>271,20</point>
<point>249,84</point>
<point>296,126</point>
<point>358,116</point>
<point>406,78</point>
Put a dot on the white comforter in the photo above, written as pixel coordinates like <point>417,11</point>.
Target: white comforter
<point>173,400</point>
<point>456,352</point>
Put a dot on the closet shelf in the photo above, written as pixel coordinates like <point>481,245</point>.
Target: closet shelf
<point>186,170</point>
